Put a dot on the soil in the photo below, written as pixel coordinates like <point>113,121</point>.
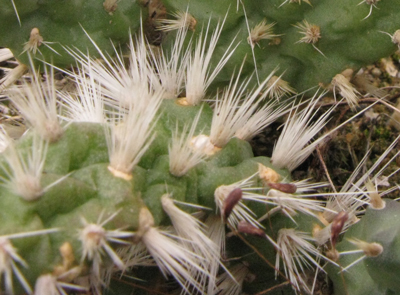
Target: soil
<point>373,131</point>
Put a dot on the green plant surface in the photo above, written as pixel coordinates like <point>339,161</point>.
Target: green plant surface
<point>142,179</point>
<point>347,40</point>
<point>373,275</point>
<point>63,24</point>
<point>91,190</point>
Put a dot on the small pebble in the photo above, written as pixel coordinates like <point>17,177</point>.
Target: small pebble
<point>376,72</point>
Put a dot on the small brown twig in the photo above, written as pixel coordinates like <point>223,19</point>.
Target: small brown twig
<point>272,288</point>
<point>139,286</point>
<point>321,159</point>
<point>364,100</point>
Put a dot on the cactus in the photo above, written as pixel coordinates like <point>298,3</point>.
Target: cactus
<point>83,200</point>
<point>347,35</point>
<point>133,169</point>
<point>375,237</point>
<point>42,28</point>
<point>310,42</point>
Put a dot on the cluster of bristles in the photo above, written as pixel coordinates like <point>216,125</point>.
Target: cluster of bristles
<point>310,34</point>
<point>127,98</point>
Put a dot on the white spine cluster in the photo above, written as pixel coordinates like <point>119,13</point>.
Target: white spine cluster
<point>237,113</point>
<point>198,74</point>
<point>49,284</point>
<point>171,68</point>
<point>231,283</point>
<point>311,33</point>
<point>95,241</point>
<point>122,84</point>
<point>297,252</point>
<point>293,145</point>
<point>182,156</point>
<point>240,211</point>
<point>131,135</point>
<point>9,260</point>
<point>372,4</point>
<point>171,256</point>
<point>37,103</point>
<point>183,20</point>
<point>346,90</point>
<point>261,31</point>
<point>35,41</point>
<point>194,239</point>
<point>87,105</point>
<point>24,171</point>
<point>277,88</point>
<point>8,265</point>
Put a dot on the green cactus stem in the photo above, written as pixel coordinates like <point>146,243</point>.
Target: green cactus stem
<point>42,28</point>
<point>375,236</point>
<point>310,44</point>
<point>135,173</point>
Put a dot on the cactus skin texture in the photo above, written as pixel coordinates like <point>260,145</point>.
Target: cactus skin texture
<point>91,190</point>
<point>98,210</point>
<point>347,41</point>
<point>373,275</point>
<point>61,24</point>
